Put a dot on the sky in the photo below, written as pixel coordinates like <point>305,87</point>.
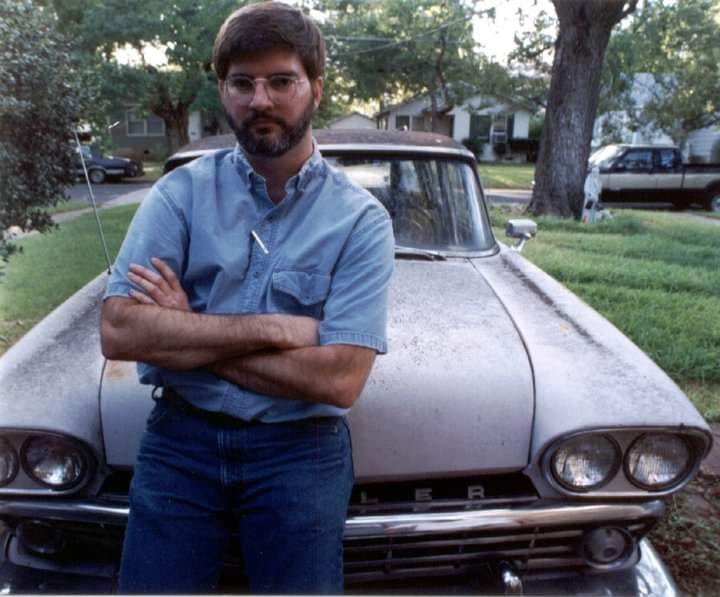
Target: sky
<point>496,37</point>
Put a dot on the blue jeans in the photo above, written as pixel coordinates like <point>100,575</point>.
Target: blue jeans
<point>281,490</point>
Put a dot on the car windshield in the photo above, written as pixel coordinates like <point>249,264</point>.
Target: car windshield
<point>602,157</point>
<point>434,203</point>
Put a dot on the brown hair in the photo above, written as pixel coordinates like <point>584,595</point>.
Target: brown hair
<point>268,26</point>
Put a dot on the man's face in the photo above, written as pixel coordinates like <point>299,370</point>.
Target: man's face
<point>264,124</point>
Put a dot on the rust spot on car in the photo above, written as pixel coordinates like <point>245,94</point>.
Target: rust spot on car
<point>119,369</point>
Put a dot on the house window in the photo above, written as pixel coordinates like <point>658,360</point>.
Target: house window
<point>499,129</point>
<point>402,123</point>
<point>149,126</point>
<point>480,127</point>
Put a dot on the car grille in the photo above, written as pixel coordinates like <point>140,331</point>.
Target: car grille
<point>552,550</point>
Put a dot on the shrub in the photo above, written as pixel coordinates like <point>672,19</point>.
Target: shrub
<point>38,111</point>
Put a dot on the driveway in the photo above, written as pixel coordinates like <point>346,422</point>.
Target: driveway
<point>519,197</point>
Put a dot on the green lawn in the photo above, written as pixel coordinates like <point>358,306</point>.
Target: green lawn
<point>53,266</point>
<point>506,176</point>
<point>655,277</point>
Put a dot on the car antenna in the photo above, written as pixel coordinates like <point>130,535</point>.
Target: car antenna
<point>94,204</point>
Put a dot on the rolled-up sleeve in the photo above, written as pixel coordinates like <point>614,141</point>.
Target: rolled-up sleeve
<point>355,310</point>
<point>158,229</point>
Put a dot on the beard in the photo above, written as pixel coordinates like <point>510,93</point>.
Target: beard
<point>271,145</point>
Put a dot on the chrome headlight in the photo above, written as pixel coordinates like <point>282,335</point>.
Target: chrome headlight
<point>656,461</point>
<point>585,462</point>
<point>8,462</point>
<point>54,461</point>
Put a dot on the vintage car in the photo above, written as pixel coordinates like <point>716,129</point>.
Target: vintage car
<point>512,439</point>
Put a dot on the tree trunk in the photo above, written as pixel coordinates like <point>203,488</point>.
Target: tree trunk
<point>176,128</point>
<point>583,34</point>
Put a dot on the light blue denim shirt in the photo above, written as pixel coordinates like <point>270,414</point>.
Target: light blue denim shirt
<point>330,256</point>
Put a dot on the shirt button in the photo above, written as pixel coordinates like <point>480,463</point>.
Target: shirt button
<point>256,275</point>
<point>270,218</point>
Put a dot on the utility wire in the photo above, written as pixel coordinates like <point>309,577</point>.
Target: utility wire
<point>400,42</point>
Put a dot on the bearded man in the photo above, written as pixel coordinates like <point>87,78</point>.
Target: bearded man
<point>252,290</point>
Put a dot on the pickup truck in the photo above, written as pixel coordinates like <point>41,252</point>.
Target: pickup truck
<point>655,173</point>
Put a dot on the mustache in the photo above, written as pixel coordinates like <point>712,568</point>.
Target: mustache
<point>255,116</point>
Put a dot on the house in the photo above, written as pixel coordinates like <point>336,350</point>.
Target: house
<point>495,130</point>
<point>702,145</point>
<point>141,135</point>
<point>354,120</point>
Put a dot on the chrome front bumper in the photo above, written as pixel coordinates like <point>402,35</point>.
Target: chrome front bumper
<point>398,548</point>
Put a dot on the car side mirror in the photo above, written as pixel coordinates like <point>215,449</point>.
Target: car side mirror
<point>522,230</point>
<point>619,167</point>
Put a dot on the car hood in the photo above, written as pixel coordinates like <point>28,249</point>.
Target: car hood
<point>453,396</point>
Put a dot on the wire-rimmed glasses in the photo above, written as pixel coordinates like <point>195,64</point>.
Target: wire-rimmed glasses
<point>280,89</point>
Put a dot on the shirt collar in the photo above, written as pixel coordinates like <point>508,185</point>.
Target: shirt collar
<point>300,179</point>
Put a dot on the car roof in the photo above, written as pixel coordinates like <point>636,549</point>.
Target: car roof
<point>343,141</point>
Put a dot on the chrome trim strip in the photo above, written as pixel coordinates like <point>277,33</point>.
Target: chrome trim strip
<point>346,148</point>
<point>391,525</point>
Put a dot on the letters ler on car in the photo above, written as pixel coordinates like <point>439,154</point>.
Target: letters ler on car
<point>512,438</point>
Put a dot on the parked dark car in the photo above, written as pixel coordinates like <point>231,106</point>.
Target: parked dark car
<point>101,168</point>
<point>512,437</point>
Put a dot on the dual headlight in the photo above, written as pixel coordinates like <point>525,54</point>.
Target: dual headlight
<point>653,461</point>
<point>51,460</point>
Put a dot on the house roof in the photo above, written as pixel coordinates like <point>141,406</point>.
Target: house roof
<point>353,113</point>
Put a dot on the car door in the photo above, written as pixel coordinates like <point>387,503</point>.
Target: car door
<point>668,175</point>
<point>631,177</point>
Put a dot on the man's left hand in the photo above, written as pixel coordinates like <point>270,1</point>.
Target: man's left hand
<point>162,288</point>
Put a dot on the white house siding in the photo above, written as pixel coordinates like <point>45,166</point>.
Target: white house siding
<point>521,125</point>
<point>353,121</point>
<point>486,107</point>
<point>701,144</point>
<point>194,126</point>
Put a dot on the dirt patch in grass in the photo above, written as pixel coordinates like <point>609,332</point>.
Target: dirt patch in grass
<point>688,540</point>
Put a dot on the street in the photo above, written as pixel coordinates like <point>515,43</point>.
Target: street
<point>106,191</point>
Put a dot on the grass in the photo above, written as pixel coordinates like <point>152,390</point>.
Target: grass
<point>688,540</point>
<point>652,275</point>
<point>506,176</point>
<point>52,267</point>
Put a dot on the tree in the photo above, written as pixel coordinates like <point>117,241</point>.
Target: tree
<point>39,110</point>
<point>394,49</point>
<point>674,48</point>
<point>183,31</point>
<point>584,29</point>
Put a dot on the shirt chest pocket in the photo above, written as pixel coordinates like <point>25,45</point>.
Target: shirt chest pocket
<point>300,293</point>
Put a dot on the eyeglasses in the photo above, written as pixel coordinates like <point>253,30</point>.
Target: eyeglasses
<point>279,88</point>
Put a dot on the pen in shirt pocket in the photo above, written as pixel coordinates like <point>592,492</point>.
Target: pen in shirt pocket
<point>259,241</point>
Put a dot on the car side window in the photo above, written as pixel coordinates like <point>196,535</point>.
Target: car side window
<point>666,159</point>
<point>637,160</point>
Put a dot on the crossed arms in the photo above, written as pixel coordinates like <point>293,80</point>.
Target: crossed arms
<point>277,355</point>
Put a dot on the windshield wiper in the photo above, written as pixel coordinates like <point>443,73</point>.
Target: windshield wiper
<point>421,253</point>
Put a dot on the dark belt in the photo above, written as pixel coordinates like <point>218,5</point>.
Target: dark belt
<point>177,402</point>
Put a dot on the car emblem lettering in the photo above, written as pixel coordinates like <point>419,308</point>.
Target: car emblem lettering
<point>423,494</point>
<point>475,492</point>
